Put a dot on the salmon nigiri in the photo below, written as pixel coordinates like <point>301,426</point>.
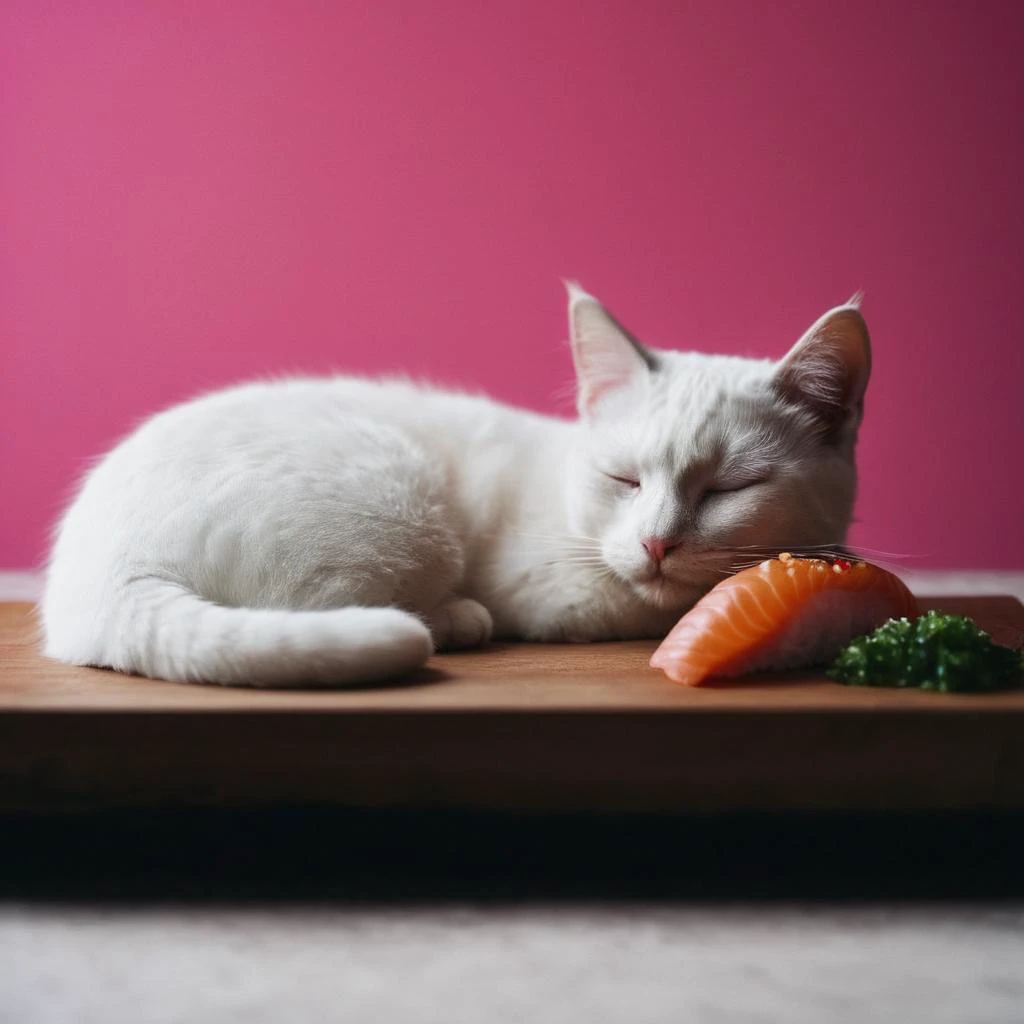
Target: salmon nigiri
<point>784,613</point>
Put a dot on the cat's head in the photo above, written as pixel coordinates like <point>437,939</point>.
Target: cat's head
<point>688,463</point>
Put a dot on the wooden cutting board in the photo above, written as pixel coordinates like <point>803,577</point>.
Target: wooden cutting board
<point>533,727</point>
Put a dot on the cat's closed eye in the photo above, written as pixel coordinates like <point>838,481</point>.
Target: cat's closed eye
<point>733,486</point>
<point>628,481</point>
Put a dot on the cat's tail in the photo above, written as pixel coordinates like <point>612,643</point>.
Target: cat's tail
<point>166,631</point>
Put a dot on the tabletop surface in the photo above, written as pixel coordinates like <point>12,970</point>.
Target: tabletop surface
<point>606,677</point>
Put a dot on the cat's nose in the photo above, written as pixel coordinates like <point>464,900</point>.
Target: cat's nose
<point>658,547</point>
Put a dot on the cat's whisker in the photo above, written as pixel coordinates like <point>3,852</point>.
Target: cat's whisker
<point>829,552</point>
<point>581,562</point>
<point>562,537</point>
<point>837,549</point>
<point>553,552</point>
<point>562,546</point>
<point>875,553</point>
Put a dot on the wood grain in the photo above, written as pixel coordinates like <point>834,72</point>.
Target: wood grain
<point>529,727</point>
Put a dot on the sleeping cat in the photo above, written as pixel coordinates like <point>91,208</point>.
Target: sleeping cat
<point>337,531</point>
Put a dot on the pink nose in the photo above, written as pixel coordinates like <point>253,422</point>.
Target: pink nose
<point>658,547</point>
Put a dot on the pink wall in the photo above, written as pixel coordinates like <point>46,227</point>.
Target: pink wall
<point>198,192</point>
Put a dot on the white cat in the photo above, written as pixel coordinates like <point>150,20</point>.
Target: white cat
<point>337,531</point>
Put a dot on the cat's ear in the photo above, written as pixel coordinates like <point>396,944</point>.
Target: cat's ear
<point>827,370</point>
<point>606,355</point>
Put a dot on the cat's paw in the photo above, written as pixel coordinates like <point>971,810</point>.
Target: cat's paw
<point>460,622</point>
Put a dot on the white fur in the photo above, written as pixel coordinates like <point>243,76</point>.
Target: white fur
<point>333,531</point>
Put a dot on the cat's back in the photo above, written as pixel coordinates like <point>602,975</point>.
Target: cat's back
<point>266,412</point>
<point>293,433</point>
<point>261,411</point>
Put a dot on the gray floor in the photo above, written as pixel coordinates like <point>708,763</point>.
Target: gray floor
<point>459,963</point>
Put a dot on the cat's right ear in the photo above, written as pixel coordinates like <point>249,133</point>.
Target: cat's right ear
<point>606,355</point>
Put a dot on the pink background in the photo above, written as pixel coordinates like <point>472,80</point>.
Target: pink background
<point>195,193</point>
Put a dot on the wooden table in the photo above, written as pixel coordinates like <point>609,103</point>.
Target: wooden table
<point>530,727</point>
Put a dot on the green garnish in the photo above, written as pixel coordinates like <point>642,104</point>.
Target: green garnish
<point>934,652</point>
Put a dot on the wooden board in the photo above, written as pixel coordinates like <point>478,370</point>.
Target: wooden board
<point>527,727</point>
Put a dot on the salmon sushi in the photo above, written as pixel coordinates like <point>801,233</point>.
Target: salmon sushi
<point>786,612</point>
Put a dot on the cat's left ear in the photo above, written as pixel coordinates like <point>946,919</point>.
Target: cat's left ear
<point>606,355</point>
<point>827,370</point>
